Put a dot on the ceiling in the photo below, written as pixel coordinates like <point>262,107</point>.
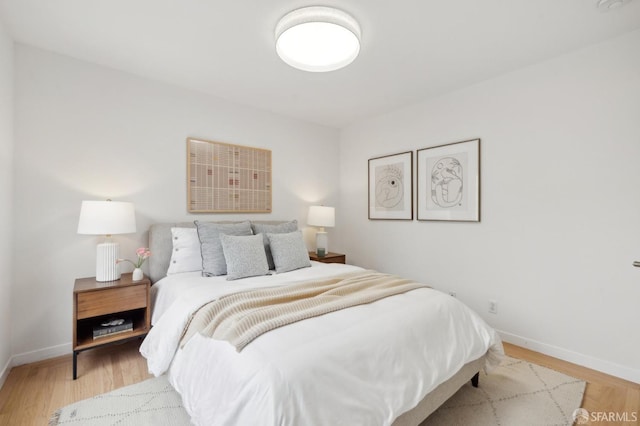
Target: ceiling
<point>411,49</point>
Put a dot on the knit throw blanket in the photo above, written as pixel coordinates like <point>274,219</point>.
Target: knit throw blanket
<point>241,317</point>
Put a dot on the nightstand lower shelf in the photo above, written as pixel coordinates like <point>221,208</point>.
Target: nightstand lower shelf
<point>85,330</point>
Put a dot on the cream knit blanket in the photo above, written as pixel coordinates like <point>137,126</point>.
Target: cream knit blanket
<point>241,317</point>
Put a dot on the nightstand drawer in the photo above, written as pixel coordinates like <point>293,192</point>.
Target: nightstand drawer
<point>96,303</point>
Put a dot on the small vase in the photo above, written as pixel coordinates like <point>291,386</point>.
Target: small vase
<point>137,274</point>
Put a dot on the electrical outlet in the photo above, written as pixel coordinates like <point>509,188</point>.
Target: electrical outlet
<point>493,307</point>
<point>452,293</point>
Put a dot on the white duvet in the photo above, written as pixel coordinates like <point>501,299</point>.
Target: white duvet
<point>364,365</point>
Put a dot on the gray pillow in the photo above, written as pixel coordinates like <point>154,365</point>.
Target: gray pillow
<point>269,228</point>
<point>213,262</point>
<point>289,251</point>
<point>245,256</point>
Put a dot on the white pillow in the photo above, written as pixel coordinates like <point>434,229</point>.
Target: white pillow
<point>186,255</point>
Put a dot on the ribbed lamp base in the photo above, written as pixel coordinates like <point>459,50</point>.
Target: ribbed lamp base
<point>106,267</point>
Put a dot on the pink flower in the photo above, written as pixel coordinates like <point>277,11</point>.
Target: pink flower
<point>143,254</point>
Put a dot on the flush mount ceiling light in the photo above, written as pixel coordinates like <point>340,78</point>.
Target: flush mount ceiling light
<point>318,39</point>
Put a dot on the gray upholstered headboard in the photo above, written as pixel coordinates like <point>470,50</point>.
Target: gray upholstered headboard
<point>161,245</point>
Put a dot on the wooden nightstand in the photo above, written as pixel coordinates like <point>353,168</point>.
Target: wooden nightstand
<point>328,258</point>
<point>94,302</point>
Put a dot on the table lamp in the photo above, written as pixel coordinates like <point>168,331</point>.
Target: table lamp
<point>322,216</point>
<point>107,218</point>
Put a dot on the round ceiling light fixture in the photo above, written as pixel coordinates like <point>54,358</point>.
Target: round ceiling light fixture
<point>318,39</point>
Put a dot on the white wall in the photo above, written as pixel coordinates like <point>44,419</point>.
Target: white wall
<point>89,132</point>
<point>560,203</point>
<point>6,198</point>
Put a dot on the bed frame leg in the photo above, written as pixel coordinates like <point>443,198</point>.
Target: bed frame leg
<point>475,379</point>
<point>75,365</point>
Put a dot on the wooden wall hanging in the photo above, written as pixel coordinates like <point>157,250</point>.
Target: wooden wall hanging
<point>225,178</point>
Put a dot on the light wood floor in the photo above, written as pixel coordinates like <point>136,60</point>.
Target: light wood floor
<point>33,392</point>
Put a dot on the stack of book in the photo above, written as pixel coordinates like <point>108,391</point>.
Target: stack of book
<point>112,326</point>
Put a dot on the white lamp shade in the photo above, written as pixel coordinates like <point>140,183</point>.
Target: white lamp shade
<point>321,216</point>
<point>106,218</point>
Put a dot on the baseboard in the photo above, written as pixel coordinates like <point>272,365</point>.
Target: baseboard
<point>41,354</point>
<point>613,369</point>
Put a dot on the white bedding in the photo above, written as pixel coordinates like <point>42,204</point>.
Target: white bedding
<point>364,365</point>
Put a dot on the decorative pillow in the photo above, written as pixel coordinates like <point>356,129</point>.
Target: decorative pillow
<point>289,251</point>
<point>186,255</point>
<point>267,228</point>
<point>213,262</point>
<point>245,256</point>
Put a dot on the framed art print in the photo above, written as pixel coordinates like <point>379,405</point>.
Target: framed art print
<point>226,178</point>
<point>448,186</point>
<point>391,187</point>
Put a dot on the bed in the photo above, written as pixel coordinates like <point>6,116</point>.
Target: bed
<point>389,362</point>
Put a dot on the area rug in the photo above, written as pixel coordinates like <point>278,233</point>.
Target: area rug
<point>152,402</point>
<point>516,393</point>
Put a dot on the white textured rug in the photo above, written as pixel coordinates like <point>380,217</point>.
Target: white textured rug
<point>152,402</point>
<point>516,393</point>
